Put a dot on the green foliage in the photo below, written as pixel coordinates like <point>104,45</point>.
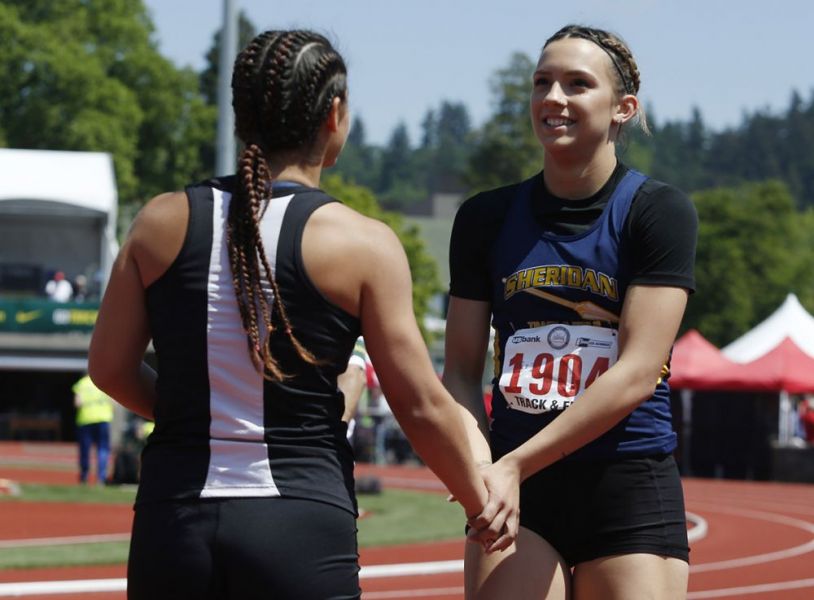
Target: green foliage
<point>246,32</point>
<point>78,75</point>
<point>359,162</point>
<point>423,267</point>
<point>754,247</point>
<point>402,176</point>
<point>446,146</point>
<point>506,149</point>
<point>765,146</point>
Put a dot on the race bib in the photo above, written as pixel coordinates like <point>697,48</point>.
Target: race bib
<point>547,368</point>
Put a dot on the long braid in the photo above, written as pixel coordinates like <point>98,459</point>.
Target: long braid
<point>281,97</point>
<point>242,231</point>
<point>626,70</point>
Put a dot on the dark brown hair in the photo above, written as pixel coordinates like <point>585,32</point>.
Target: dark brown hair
<point>283,87</point>
<point>626,72</point>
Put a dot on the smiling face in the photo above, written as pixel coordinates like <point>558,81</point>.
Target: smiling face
<point>574,101</point>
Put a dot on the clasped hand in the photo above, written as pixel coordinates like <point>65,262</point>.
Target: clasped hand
<point>496,527</point>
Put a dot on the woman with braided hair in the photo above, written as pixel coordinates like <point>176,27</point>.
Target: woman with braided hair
<point>254,289</point>
<point>583,271</point>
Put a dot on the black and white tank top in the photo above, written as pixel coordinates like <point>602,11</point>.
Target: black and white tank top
<point>222,430</point>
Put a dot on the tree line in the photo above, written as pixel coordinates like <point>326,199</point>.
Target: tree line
<point>78,75</point>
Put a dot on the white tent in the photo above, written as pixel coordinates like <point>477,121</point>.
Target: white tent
<point>58,212</point>
<point>790,320</point>
<point>58,208</point>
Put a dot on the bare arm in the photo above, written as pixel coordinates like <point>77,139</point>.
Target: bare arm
<point>650,319</point>
<point>352,383</point>
<point>120,338</point>
<point>360,265</point>
<point>467,338</point>
<point>121,334</point>
<point>423,408</point>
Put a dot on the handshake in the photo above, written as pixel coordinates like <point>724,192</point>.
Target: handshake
<point>495,527</point>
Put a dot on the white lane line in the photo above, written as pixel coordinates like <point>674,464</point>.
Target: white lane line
<point>66,540</point>
<point>105,585</point>
<point>424,568</point>
<point>89,586</point>
<point>753,560</point>
<point>757,558</point>
<point>422,593</point>
<point>751,589</point>
<point>456,566</point>
<point>700,527</point>
<point>699,531</point>
<point>79,586</point>
<point>804,507</point>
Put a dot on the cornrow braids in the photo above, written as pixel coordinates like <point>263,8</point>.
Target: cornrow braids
<point>625,67</point>
<point>284,84</point>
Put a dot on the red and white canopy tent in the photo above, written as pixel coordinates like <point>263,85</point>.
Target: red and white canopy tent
<point>776,355</point>
<point>697,365</point>
<point>781,350</point>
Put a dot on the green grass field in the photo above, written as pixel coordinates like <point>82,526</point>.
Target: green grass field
<point>392,517</point>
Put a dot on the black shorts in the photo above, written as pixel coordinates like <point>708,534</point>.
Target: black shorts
<point>591,510</point>
<point>244,548</point>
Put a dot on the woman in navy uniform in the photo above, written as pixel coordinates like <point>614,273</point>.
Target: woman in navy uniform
<point>584,271</point>
<point>254,289</point>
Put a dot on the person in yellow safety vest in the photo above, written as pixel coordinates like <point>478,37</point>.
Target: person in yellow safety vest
<point>94,412</point>
<point>146,429</point>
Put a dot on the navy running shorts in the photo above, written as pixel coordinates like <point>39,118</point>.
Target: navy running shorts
<point>588,510</point>
<point>243,548</point>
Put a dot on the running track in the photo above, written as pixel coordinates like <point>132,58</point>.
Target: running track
<point>758,545</point>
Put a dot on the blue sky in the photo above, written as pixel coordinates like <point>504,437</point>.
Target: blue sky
<point>404,57</point>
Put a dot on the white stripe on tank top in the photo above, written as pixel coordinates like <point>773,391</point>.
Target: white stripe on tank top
<point>238,462</point>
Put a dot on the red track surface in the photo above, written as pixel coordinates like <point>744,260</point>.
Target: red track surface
<point>759,545</point>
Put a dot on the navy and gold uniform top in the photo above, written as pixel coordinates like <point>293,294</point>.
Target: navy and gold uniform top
<point>555,273</point>
<point>221,429</point>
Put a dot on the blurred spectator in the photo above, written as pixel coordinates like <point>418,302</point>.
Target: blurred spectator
<point>80,288</point>
<point>487,400</point>
<point>353,383</point>
<point>806,408</point>
<point>59,289</point>
<point>94,412</point>
<point>127,466</point>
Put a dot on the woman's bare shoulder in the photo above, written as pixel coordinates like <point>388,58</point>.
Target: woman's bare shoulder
<point>161,215</point>
<point>351,229</point>
<point>158,232</point>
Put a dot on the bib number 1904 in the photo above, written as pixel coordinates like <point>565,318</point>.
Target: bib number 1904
<point>569,374</point>
<point>547,368</point>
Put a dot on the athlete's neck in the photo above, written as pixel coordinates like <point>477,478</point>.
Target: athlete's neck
<point>308,176</point>
<point>577,180</point>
